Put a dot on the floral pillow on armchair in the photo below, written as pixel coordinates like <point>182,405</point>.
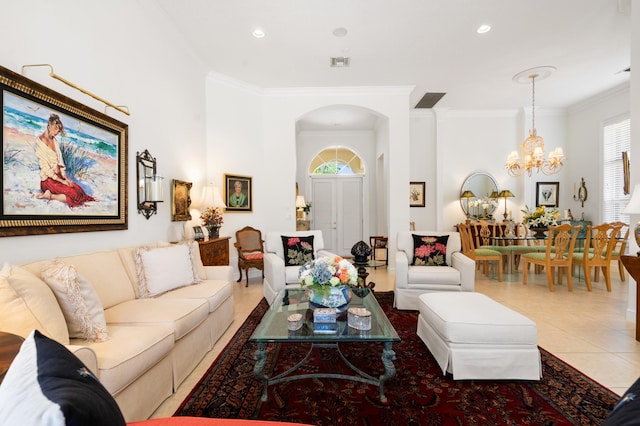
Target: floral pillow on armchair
<point>297,250</point>
<point>430,250</point>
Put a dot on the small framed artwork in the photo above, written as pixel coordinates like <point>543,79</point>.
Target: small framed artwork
<point>238,193</point>
<point>198,233</point>
<point>180,200</point>
<point>547,194</point>
<point>416,194</point>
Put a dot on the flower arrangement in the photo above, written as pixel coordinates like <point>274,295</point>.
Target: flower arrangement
<point>323,273</point>
<point>540,217</point>
<point>212,216</point>
<point>307,207</point>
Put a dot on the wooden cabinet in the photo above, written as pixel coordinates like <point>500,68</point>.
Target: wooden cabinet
<point>215,251</point>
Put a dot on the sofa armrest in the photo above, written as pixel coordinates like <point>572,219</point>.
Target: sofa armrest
<point>325,253</point>
<point>274,271</point>
<point>223,273</point>
<point>467,268</point>
<point>402,269</point>
<point>87,356</point>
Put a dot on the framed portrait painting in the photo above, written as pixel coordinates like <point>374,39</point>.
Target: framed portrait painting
<point>238,193</point>
<point>547,194</point>
<point>180,200</point>
<point>65,164</point>
<point>416,194</point>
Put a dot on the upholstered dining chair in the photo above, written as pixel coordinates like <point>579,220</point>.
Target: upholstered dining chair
<point>598,248</point>
<point>250,251</point>
<point>479,253</point>
<point>561,240</point>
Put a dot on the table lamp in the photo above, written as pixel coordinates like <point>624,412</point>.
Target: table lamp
<point>634,208</point>
<point>467,194</point>
<point>300,205</point>
<point>505,193</point>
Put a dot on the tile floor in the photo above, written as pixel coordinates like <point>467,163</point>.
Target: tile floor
<point>586,329</point>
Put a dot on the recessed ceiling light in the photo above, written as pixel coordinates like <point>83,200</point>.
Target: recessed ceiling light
<point>340,32</point>
<point>258,33</point>
<point>483,29</point>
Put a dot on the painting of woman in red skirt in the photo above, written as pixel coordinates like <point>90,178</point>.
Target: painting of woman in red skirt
<point>54,183</point>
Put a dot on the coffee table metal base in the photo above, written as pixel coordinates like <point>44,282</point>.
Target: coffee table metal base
<point>388,356</point>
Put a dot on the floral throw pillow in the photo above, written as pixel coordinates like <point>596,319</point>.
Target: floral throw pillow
<point>430,250</point>
<point>297,250</point>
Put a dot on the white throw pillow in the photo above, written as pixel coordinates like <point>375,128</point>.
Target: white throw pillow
<point>27,304</point>
<point>79,301</point>
<point>164,268</point>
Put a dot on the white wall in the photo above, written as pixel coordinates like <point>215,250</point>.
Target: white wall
<point>423,167</point>
<point>585,144</point>
<point>127,53</point>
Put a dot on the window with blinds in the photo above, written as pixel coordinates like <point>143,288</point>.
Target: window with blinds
<point>616,140</point>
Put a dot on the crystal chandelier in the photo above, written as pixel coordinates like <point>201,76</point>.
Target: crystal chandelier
<point>533,147</point>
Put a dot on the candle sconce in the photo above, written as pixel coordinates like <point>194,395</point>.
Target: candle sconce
<point>149,184</point>
<point>582,193</point>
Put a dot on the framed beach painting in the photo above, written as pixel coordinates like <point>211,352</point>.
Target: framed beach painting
<point>64,164</point>
<point>547,194</point>
<point>238,193</point>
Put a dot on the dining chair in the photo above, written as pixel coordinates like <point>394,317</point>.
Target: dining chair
<point>479,254</point>
<point>620,247</point>
<point>598,248</point>
<point>560,242</point>
<point>250,251</point>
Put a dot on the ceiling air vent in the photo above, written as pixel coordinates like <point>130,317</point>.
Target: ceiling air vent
<point>429,100</point>
<point>340,62</point>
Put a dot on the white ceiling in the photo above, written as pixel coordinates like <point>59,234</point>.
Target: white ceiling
<point>429,44</point>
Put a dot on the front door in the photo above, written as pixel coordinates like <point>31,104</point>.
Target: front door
<point>337,211</point>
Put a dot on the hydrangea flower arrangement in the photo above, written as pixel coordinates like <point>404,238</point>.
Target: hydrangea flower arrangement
<point>325,272</point>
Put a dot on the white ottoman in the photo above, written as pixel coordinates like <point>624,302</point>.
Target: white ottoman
<point>474,337</point>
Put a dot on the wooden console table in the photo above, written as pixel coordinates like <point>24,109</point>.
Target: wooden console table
<point>215,251</point>
<point>632,263</point>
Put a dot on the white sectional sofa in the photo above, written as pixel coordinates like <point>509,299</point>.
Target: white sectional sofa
<point>154,342</point>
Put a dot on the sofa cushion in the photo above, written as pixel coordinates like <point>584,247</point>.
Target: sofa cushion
<point>130,352</point>
<point>214,291</point>
<point>78,300</point>
<point>182,315</point>
<point>47,384</point>
<point>163,268</point>
<point>298,250</point>
<point>104,270</point>
<point>419,275</point>
<point>28,304</point>
<point>404,242</point>
<point>430,250</point>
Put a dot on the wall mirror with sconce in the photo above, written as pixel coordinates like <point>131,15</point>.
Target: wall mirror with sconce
<point>479,196</point>
<point>149,184</point>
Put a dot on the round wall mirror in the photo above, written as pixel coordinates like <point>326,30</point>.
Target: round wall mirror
<point>482,200</point>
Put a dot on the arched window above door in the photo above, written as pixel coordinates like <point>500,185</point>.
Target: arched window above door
<point>336,160</point>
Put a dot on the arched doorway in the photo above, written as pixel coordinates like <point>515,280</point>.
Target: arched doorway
<point>342,138</point>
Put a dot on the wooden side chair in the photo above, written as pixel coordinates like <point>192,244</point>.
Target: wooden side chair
<point>620,247</point>
<point>250,248</point>
<point>598,248</point>
<point>561,240</point>
<point>479,254</point>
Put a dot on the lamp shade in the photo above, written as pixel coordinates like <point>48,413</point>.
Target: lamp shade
<point>211,197</point>
<point>634,203</point>
<point>300,202</point>
<point>505,193</point>
<point>467,194</point>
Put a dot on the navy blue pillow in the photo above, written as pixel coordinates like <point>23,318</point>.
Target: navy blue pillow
<point>47,384</point>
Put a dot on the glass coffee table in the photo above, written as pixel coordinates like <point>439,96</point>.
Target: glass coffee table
<point>274,328</point>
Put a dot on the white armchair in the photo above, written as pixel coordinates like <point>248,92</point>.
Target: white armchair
<point>412,281</point>
<point>276,275</point>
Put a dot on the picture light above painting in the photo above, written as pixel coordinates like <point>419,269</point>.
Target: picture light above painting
<point>65,164</point>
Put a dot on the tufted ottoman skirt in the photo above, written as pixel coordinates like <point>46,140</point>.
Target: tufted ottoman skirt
<point>474,337</point>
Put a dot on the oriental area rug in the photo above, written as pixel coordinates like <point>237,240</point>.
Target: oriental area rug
<point>418,395</point>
